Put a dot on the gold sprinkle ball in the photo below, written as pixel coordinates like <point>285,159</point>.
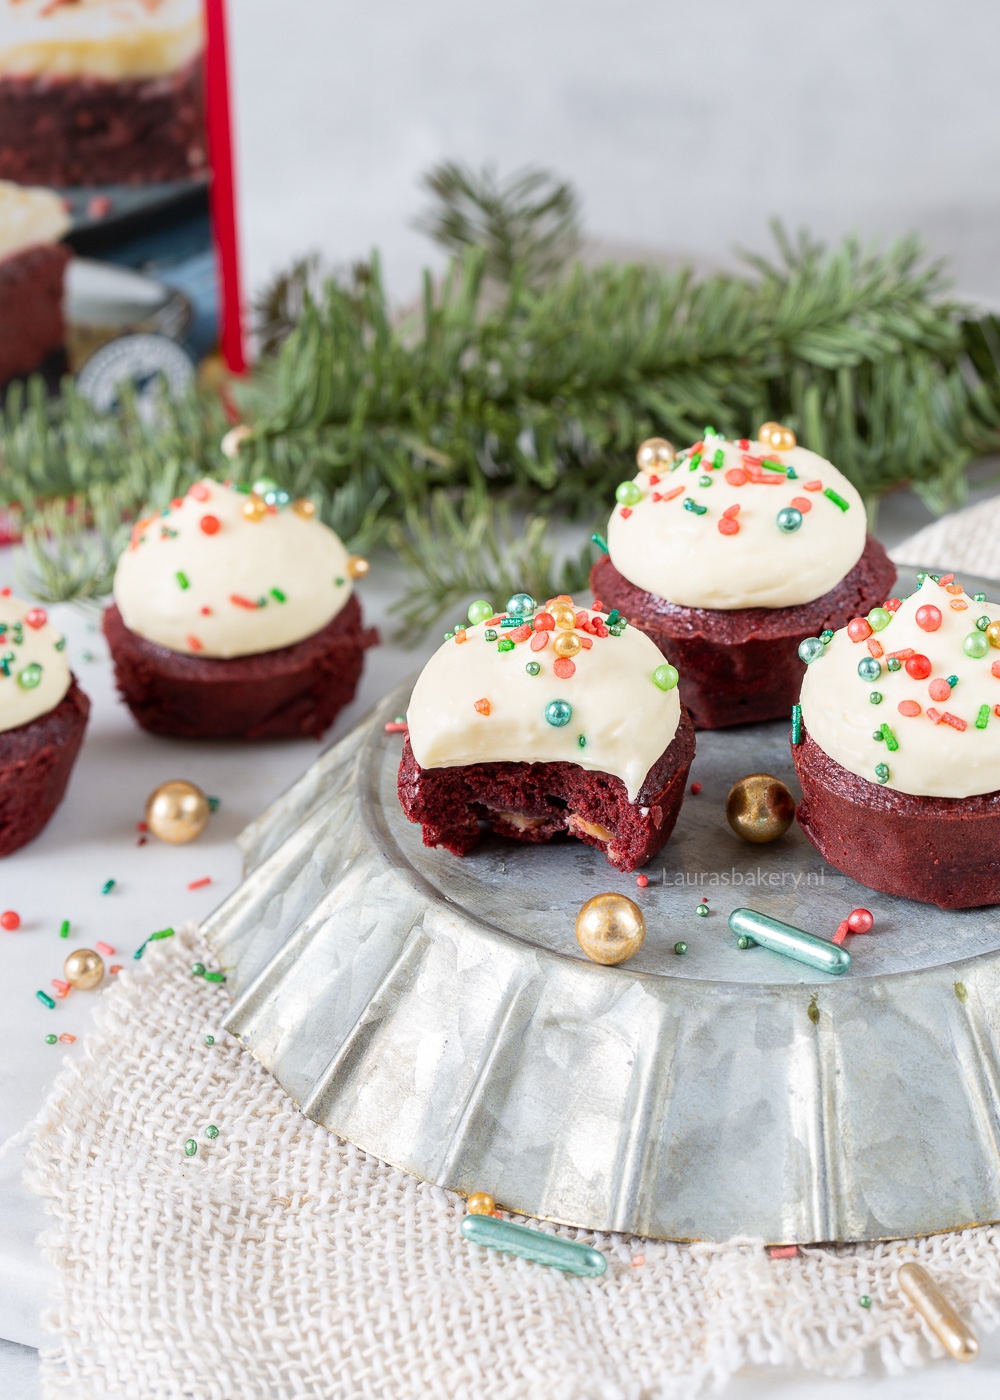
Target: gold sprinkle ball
<point>993,634</point>
<point>610,928</point>
<point>84,969</point>
<point>567,644</point>
<point>357,566</point>
<point>776,437</point>
<point>654,454</point>
<point>177,812</point>
<point>234,439</point>
<point>480,1203</point>
<point>254,508</point>
<point>304,507</point>
<point>760,808</point>
<point>563,616</point>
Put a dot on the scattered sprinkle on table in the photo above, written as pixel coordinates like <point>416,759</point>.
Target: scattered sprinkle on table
<point>10,920</point>
<point>64,929</point>
<point>200,884</point>
<point>108,886</point>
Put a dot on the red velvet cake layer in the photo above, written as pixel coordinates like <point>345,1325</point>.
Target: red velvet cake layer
<point>536,801</point>
<point>295,692</point>
<point>91,131</point>
<point>31,308</point>
<point>940,850</point>
<point>36,760</point>
<point>743,666</point>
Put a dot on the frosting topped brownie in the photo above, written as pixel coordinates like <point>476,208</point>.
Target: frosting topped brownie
<point>730,525</point>
<point>109,39</point>
<point>909,696</point>
<point>231,571</point>
<point>29,217</point>
<point>34,672</point>
<point>546,684</point>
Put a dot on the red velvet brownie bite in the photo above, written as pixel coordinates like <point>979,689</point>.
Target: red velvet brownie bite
<point>43,713</point>
<point>32,264</point>
<point>539,722</point>
<point>727,555</point>
<point>897,747</point>
<point>234,617</point>
<point>101,92</point>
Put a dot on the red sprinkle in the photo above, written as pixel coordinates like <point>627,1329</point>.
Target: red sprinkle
<point>97,206</point>
<point>115,967</point>
<point>625,512</point>
<point>564,667</point>
<point>638,1260</point>
<point>586,643</point>
<point>959,604</point>
<point>61,987</point>
<point>939,689</point>
<point>736,476</point>
<point>918,666</point>
<point>642,881</point>
<point>875,647</point>
<point>945,579</point>
<point>242,602</point>
<point>176,503</point>
<point>200,884</point>
<point>195,644</point>
<point>995,669</point>
<point>199,491</point>
<point>141,826</point>
<point>891,604</point>
<point>784,1251</point>
<point>695,789</point>
<point>206,611</point>
<point>731,512</point>
<point>743,444</point>
<point>801,504</point>
<point>105,950</point>
<point>728,526</point>
<point>544,622</point>
<point>935,716</point>
<point>539,640</point>
<point>522,633</point>
<point>859,629</point>
<point>67,1039</point>
<point>812,486</point>
<point>36,617</point>
<point>954,721</point>
<point>654,480</point>
<point>393,728</point>
<point>9,920</point>
<point>670,495</point>
<point>910,708</point>
<point>860,920</point>
<point>482,707</point>
<point>903,655</point>
<point>210,524</point>
<point>928,618</point>
<point>843,929</point>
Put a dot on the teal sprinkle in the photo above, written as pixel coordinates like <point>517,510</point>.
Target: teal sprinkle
<point>505,644</point>
<point>704,481</point>
<point>921,579</point>
<point>936,578</point>
<point>791,474</point>
<point>983,716</point>
<point>953,681</point>
<point>108,886</point>
<point>831,495</point>
<point>215,802</point>
<point>533,668</point>
<point>689,504</point>
<point>882,772</point>
<point>613,617</point>
<point>278,596</point>
<point>600,541</point>
<point>891,742</point>
<point>198,969</point>
<point>46,1000</point>
<point>826,636</point>
<point>512,622</point>
<point>796,724</point>
<point>979,597</point>
<point>617,630</point>
<point>718,459</point>
<point>262,602</point>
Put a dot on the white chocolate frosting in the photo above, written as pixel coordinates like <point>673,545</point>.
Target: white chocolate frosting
<point>111,39</point>
<point>941,750</point>
<point>28,217</point>
<point>34,672</point>
<point>625,718</point>
<point>205,579</point>
<point>678,553</point>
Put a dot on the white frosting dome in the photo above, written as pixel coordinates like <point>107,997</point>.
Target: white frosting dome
<point>669,541</point>
<point>944,728</point>
<point>476,703</point>
<point>34,672</point>
<point>111,39</point>
<point>205,578</point>
<point>29,216</point>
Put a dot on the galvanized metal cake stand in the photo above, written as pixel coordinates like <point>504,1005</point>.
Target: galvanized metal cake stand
<point>439,1013</point>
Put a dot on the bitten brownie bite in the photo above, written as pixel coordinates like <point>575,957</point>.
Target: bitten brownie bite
<point>234,617</point>
<point>728,554</point>
<point>32,264</point>
<point>537,722</point>
<point>101,92</point>
<point>43,713</point>
<point>897,747</point>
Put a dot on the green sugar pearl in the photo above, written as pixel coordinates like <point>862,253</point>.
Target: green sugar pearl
<point>894,663</point>
<point>974,645</point>
<point>570,1256</point>
<point>875,697</point>
<point>51,1039</point>
<point>628,494</point>
<point>882,772</point>
<point>704,481</point>
<point>190,1147</point>
<point>879,618</point>
<point>826,636</point>
<point>479,611</point>
<point>198,969</point>
<point>666,676</point>
<point>30,676</point>
<point>982,623</point>
<point>491,634</point>
<point>211,1131</point>
<point>532,668</point>
<point>680,948</point>
<point>702,910</point>
<point>979,597</point>
<point>210,1040</point>
<point>865,1301</point>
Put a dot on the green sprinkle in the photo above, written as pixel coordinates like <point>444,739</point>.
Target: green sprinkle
<point>979,597</point>
<point>162,933</point>
<point>690,504</point>
<point>960,992</point>
<point>613,617</point>
<point>708,431</point>
<point>46,1000</point>
<point>812,1010</point>
<point>718,459</point>
<point>666,677</point>
<point>617,630</point>
<point>695,461</point>
<point>512,622</point>
<point>878,736</point>
<point>891,742</point>
<point>211,1131</point>
<point>108,886</point>
<point>826,636</point>
<point>894,663</point>
<point>581,741</point>
<point>31,676</point>
<point>953,681</point>
<point>190,1147</point>
<point>745,942</point>
<point>982,717</point>
<point>215,976</point>
<point>210,1040</point>
<point>921,579</point>
<point>340,582</point>
<point>773,466</point>
<point>64,929</point>
<point>875,697</point>
<point>198,969</point>
<point>680,948</point>
<point>628,493</point>
<point>449,636</point>
<point>882,772</point>
<point>702,911</point>
<point>533,668</point>
<point>182,579</point>
<point>982,623</point>
<point>262,602</point>
<point>936,578</point>
<point>61,644</point>
<point>278,596</point>
<point>51,1039</point>
<point>791,474</point>
<point>490,634</point>
<point>865,1301</point>
<point>704,481</point>
<point>505,644</point>
<point>831,495</point>
<point>600,541</point>
<point>974,645</point>
<point>214,803</point>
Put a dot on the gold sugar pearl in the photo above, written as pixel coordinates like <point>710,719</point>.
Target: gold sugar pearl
<point>564,616</point>
<point>610,928</point>
<point>654,454</point>
<point>357,566</point>
<point>993,634</point>
<point>567,644</point>
<point>177,812</point>
<point>254,508</point>
<point>84,969</point>
<point>480,1203</point>
<point>775,436</point>
<point>760,808</point>
<point>305,508</point>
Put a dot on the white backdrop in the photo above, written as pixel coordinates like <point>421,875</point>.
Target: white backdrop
<point>684,126</point>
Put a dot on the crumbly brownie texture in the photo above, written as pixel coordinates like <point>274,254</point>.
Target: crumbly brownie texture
<point>91,131</point>
<point>536,801</point>
<point>742,666</point>
<point>940,850</point>
<point>293,692</point>
<point>36,760</point>
<point>31,314</point>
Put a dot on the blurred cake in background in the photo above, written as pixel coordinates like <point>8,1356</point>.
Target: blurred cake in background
<point>100,92</point>
<point>32,264</point>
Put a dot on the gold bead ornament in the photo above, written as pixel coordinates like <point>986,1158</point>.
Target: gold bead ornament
<point>304,507</point>
<point>776,437</point>
<point>993,634</point>
<point>760,808</point>
<point>567,644</point>
<point>84,969</point>
<point>655,454</point>
<point>254,508</point>
<point>480,1203</point>
<point>610,928</point>
<point>177,812</point>
<point>563,616</point>
<point>357,566</point>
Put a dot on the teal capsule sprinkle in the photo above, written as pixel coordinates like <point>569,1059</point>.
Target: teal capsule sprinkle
<point>983,717</point>
<point>64,929</point>
<point>46,1000</point>
<point>570,1256</point>
<point>796,724</point>
<point>613,617</point>
<point>690,504</point>
<point>512,622</point>
<point>600,541</point>
<point>891,742</point>
<point>108,886</point>
<point>831,495</point>
<point>791,942</point>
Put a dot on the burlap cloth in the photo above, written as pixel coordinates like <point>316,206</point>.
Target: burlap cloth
<point>281,1262</point>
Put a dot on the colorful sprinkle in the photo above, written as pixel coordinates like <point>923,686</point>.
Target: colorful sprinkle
<point>693,505</point>
<point>628,493</point>
<point>975,645</point>
<point>64,929</point>
<point>736,476</point>
<point>918,666</point>
<point>939,689</point>
<point>190,1147</point>
<point>108,886</point>
<point>105,949</point>
<point>200,884</point>
<point>505,644</point>
<point>869,669</point>
<point>680,948</point>
<point>875,697</point>
<point>882,772</point>
<point>796,724</point>
<point>695,789</point>
<point>831,495</point>
<point>811,649</point>
<point>564,668</point>
<point>859,629</point>
<point>891,742</point>
<point>36,617</point>
<point>46,1000</point>
<point>482,707</point>
<point>31,675</point>
<point>642,881</point>
<point>558,713</point>
<point>983,716</point>
<point>910,708</point>
<point>240,602</point>
<point>10,920</point>
<point>928,617</point>
<point>479,611</point>
<point>210,524</point>
<point>601,543</point>
<point>789,519</point>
